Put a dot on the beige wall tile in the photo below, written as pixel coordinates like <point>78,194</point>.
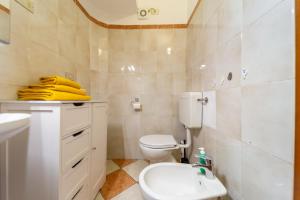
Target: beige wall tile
<point>219,41</point>
<point>230,19</point>
<point>52,40</point>
<point>43,27</point>
<point>228,163</point>
<point>229,60</point>
<point>148,61</point>
<point>268,46</point>
<point>67,11</point>
<point>254,9</point>
<point>208,73</point>
<point>67,40</point>
<point>268,118</point>
<point>229,112</point>
<point>260,176</point>
<point>210,35</point>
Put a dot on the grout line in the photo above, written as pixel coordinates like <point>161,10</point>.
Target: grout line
<point>194,12</point>
<point>266,13</point>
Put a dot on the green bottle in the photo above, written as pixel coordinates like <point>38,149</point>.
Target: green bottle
<point>202,160</point>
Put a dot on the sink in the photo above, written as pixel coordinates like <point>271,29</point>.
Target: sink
<point>176,181</point>
<point>11,124</point>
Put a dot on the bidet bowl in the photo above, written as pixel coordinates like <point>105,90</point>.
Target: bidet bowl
<point>176,181</point>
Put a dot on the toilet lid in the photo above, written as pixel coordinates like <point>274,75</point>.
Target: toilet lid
<point>158,141</point>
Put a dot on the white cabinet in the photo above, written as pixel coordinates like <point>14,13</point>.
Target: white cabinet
<point>99,147</point>
<point>65,153</point>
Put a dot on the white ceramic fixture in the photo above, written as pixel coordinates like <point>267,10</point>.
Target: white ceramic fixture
<point>175,181</point>
<point>158,148</point>
<point>11,124</point>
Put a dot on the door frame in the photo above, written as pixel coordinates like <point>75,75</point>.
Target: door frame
<point>297,106</point>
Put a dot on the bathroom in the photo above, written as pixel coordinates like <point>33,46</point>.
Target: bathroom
<point>134,62</point>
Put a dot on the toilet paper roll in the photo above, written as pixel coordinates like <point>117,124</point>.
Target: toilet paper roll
<point>137,106</point>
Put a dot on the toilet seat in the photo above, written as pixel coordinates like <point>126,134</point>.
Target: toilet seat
<point>158,141</point>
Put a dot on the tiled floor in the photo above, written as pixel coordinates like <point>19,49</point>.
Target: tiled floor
<point>122,180</point>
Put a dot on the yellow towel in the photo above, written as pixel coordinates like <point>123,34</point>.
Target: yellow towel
<point>60,88</point>
<point>50,95</point>
<point>58,80</point>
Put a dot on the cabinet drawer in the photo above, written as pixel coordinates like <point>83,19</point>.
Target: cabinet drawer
<point>75,117</point>
<point>75,181</point>
<point>74,148</point>
<point>82,193</point>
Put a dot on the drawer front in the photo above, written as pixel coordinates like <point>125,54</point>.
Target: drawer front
<point>82,193</point>
<point>74,148</point>
<point>75,118</point>
<point>75,181</point>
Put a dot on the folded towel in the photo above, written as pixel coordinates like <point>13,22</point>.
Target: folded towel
<point>60,88</point>
<point>50,95</point>
<point>58,80</point>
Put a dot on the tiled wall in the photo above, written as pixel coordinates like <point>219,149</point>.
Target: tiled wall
<point>253,143</point>
<point>55,39</point>
<point>150,65</point>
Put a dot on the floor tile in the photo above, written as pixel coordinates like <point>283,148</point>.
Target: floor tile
<point>111,167</point>
<point>132,193</point>
<point>99,197</point>
<point>135,169</point>
<point>116,183</point>
<point>123,162</point>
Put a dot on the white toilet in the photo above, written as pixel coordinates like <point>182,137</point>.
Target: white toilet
<point>158,148</point>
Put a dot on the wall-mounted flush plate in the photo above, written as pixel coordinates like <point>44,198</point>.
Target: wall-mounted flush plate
<point>244,73</point>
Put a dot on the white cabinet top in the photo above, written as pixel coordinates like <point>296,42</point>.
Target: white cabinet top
<point>52,102</point>
<point>11,124</point>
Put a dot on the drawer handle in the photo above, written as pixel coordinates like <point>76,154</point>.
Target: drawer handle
<point>77,163</point>
<point>78,104</point>
<point>77,134</point>
<point>77,192</point>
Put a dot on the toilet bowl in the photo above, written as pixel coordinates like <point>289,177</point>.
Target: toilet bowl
<point>158,148</point>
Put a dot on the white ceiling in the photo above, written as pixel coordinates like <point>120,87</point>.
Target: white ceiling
<point>124,12</point>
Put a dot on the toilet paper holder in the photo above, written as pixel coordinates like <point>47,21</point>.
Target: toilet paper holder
<point>136,104</point>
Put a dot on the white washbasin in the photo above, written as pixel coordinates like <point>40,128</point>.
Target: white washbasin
<point>175,181</point>
<point>11,124</point>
